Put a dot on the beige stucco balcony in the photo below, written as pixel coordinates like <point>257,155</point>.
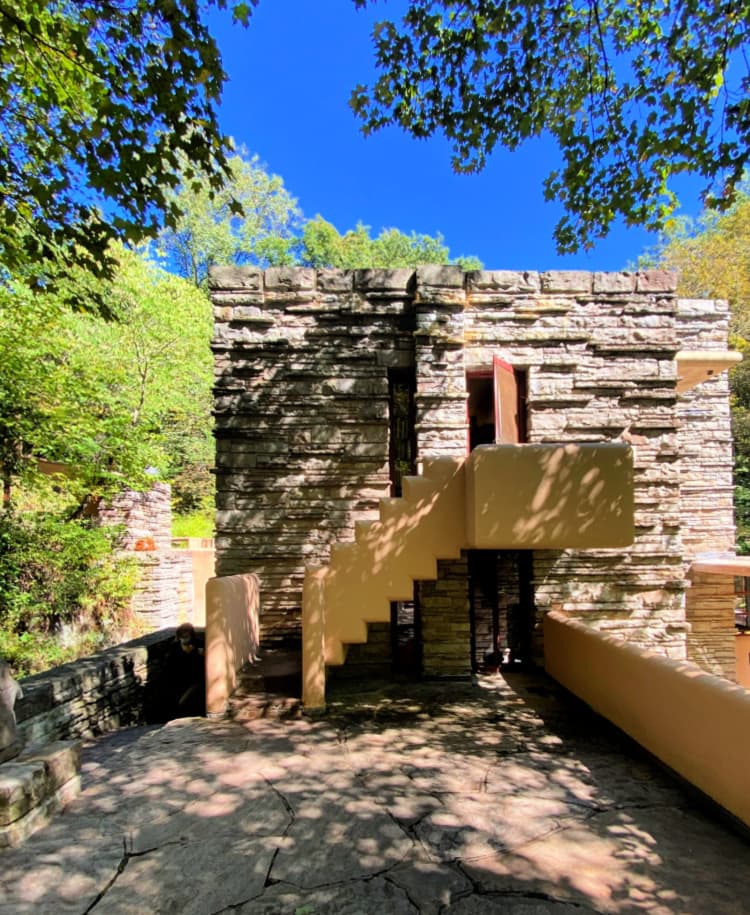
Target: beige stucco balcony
<point>552,496</point>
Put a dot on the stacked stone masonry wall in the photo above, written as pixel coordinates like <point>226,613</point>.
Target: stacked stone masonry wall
<point>599,353</point>
<point>706,492</point>
<point>302,363</point>
<point>94,695</point>
<point>163,594</point>
<point>302,420</point>
<point>143,516</point>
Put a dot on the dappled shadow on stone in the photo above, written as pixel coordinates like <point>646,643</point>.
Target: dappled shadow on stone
<point>421,798</point>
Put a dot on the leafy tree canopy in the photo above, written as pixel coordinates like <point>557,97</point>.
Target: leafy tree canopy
<point>208,229</point>
<point>633,93</point>
<point>99,100</point>
<point>322,245</point>
<point>109,399</point>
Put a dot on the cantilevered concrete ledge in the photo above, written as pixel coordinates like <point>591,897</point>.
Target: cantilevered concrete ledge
<point>696,366</point>
<point>550,496</point>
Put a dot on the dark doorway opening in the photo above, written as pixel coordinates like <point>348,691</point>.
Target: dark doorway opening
<point>501,608</point>
<point>402,440</point>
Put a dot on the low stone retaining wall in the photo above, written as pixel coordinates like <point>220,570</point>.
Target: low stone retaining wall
<point>116,688</point>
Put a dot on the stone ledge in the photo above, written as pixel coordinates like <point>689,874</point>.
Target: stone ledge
<point>34,785</point>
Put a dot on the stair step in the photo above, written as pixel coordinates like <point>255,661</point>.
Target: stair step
<point>264,705</point>
<point>269,687</point>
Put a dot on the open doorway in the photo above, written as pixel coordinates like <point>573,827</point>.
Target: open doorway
<point>501,606</point>
<point>496,405</point>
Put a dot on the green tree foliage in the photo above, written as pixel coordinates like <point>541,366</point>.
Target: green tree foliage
<point>99,100</point>
<point>322,245</point>
<point>63,591</point>
<point>110,399</point>
<point>712,255</point>
<point>633,93</point>
<point>209,229</point>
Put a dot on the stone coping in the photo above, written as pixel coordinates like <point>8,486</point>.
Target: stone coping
<point>306,279</point>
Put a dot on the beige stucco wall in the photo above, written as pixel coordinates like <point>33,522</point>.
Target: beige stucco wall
<point>204,565</point>
<point>742,659</point>
<point>692,721</point>
<point>549,496</point>
<point>231,634</point>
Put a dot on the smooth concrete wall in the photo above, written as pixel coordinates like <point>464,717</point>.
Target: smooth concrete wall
<point>231,634</point>
<point>204,568</point>
<point>550,496</point>
<point>692,721</point>
<point>742,658</point>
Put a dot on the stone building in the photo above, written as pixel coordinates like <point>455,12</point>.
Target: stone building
<point>435,459</point>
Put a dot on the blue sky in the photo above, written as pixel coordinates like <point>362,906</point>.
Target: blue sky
<point>290,76</point>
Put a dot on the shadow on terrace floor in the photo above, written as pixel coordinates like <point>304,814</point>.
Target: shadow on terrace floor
<point>500,797</point>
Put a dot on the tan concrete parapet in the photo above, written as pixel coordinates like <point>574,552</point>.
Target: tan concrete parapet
<point>694,722</point>
<point>231,635</point>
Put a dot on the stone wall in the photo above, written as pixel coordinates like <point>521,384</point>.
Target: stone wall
<point>112,689</point>
<point>599,354</point>
<point>707,492</point>
<point>168,579</point>
<point>145,517</point>
<point>302,360</point>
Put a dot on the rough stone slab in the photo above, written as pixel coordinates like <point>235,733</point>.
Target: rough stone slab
<point>197,876</point>
<point>335,280</point>
<point>656,281</point>
<point>18,832</point>
<point>235,278</point>
<point>504,281</point>
<point>34,776</point>
<point>448,276</point>
<point>289,279</point>
<point>614,282</point>
<point>366,839</point>
<point>378,895</point>
<point>385,281</point>
<point>566,281</point>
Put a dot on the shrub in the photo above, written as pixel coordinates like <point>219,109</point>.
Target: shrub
<point>63,589</point>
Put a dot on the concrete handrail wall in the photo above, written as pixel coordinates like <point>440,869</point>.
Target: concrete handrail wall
<point>232,634</point>
<point>694,722</point>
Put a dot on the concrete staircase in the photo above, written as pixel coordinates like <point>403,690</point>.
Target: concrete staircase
<point>269,687</point>
<point>380,566</point>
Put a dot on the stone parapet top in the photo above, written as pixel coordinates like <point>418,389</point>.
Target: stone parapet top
<point>403,280</point>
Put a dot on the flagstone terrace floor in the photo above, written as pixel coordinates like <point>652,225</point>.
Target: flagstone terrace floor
<point>503,796</point>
